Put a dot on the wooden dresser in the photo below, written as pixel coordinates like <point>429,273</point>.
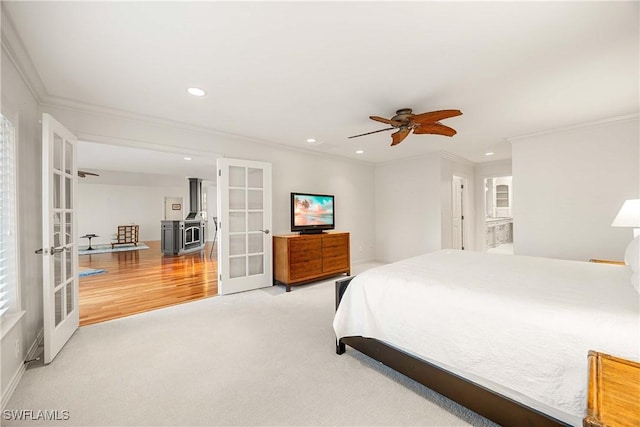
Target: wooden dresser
<point>299,259</point>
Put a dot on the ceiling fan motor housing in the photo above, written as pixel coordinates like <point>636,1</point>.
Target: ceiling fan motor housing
<point>403,115</point>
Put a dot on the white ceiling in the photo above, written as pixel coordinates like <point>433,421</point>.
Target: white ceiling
<point>104,158</point>
<point>282,72</point>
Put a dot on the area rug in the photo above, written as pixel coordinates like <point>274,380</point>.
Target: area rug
<point>84,271</point>
<point>106,248</point>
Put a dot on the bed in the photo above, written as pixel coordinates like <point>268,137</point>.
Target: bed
<point>506,336</point>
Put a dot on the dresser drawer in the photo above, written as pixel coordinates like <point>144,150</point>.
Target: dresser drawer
<point>301,270</point>
<point>304,250</point>
<point>336,263</point>
<point>331,241</point>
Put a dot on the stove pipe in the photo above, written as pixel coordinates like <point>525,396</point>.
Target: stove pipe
<point>195,198</point>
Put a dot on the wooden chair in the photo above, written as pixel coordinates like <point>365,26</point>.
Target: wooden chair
<point>127,234</point>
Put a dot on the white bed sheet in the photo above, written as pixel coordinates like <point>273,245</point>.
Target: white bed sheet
<point>519,325</point>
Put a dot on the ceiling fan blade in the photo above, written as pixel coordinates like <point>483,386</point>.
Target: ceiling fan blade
<point>434,128</point>
<point>369,133</point>
<point>435,116</point>
<point>394,123</point>
<point>399,136</point>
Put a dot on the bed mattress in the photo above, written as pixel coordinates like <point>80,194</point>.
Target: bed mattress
<point>521,326</point>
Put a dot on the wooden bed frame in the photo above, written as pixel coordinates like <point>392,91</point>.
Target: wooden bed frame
<point>489,404</point>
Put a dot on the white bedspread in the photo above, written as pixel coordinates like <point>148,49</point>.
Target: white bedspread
<point>519,325</point>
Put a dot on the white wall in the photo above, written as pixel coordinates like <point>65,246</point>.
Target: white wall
<point>17,97</point>
<point>568,187</point>
<point>408,207</point>
<point>102,207</point>
<point>414,205</point>
<point>351,181</point>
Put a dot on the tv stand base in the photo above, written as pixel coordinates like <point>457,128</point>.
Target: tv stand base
<point>303,232</point>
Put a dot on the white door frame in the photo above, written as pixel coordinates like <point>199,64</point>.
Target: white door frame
<point>458,197</point>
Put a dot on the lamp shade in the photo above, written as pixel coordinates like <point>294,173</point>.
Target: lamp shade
<point>629,214</point>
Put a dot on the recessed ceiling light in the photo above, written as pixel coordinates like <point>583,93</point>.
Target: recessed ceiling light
<point>359,151</point>
<point>187,158</point>
<point>313,141</point>
<point>196,91</point>
<point>490,153</point>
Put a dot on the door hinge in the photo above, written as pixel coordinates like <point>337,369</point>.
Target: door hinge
<point>219,172</point>
<point>462,217</point>
<point>461,185</point>
<point>220,278</point>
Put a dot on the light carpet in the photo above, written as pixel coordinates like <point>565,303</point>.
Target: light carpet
<point>106,248</point>
<point>263,357</point>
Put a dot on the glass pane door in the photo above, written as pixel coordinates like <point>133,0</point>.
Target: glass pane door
<point>244,196</point>
<point>60,252</point>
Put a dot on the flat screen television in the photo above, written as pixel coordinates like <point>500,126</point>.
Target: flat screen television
<point>312,213</point>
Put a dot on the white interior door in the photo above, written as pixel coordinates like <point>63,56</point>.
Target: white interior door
<point>244,220</point>
<point>59,236</point>
<point>457,223</point>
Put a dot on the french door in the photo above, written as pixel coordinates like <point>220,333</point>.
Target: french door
<point>244,221</point>
<point>59,236</point>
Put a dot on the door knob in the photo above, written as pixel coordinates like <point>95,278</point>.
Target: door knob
<point>265,231</point>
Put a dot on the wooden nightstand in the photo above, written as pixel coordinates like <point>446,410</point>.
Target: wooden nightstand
<point>614,392</point>
<point>606,261</point>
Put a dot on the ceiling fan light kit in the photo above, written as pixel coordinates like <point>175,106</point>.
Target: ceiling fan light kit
<point>405,122</point>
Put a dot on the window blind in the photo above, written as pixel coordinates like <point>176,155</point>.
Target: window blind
<point>7,215</point>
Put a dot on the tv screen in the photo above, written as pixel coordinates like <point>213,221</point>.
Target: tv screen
<point>312,212</point>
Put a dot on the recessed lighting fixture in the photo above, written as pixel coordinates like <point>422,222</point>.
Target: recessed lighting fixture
<point>313,141</point>
<point>490,153</point>
<point>187,158</point>
<point>196,91</point>
<point>359,151</point>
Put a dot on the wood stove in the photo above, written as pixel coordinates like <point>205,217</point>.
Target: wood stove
<point>185,236</point>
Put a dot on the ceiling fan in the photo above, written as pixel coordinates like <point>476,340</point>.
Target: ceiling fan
<point>83,174</point>
<point>405,121</point>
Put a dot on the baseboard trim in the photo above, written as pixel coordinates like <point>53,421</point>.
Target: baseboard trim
<point>31,353</point>
<point>17,377</point>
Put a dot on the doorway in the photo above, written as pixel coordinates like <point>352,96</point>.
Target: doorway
<point>131,279</point>
<point>457,213</point>
<point>498,212</point>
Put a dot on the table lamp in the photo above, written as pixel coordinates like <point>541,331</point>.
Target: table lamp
<point>629,216</point>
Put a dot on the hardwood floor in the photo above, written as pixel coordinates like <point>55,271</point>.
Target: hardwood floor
<point>144,280</point>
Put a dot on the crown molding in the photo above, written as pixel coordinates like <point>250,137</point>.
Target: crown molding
<point>587,125</point>
<point>99,111</point>
<point>456,158</point>
<point>14,48</point>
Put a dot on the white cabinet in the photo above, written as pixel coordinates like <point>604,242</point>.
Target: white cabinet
<point>499,231</point>
<point>502,196</point>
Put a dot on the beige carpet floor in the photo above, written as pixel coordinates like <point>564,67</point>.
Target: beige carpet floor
<point>264,357</point>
